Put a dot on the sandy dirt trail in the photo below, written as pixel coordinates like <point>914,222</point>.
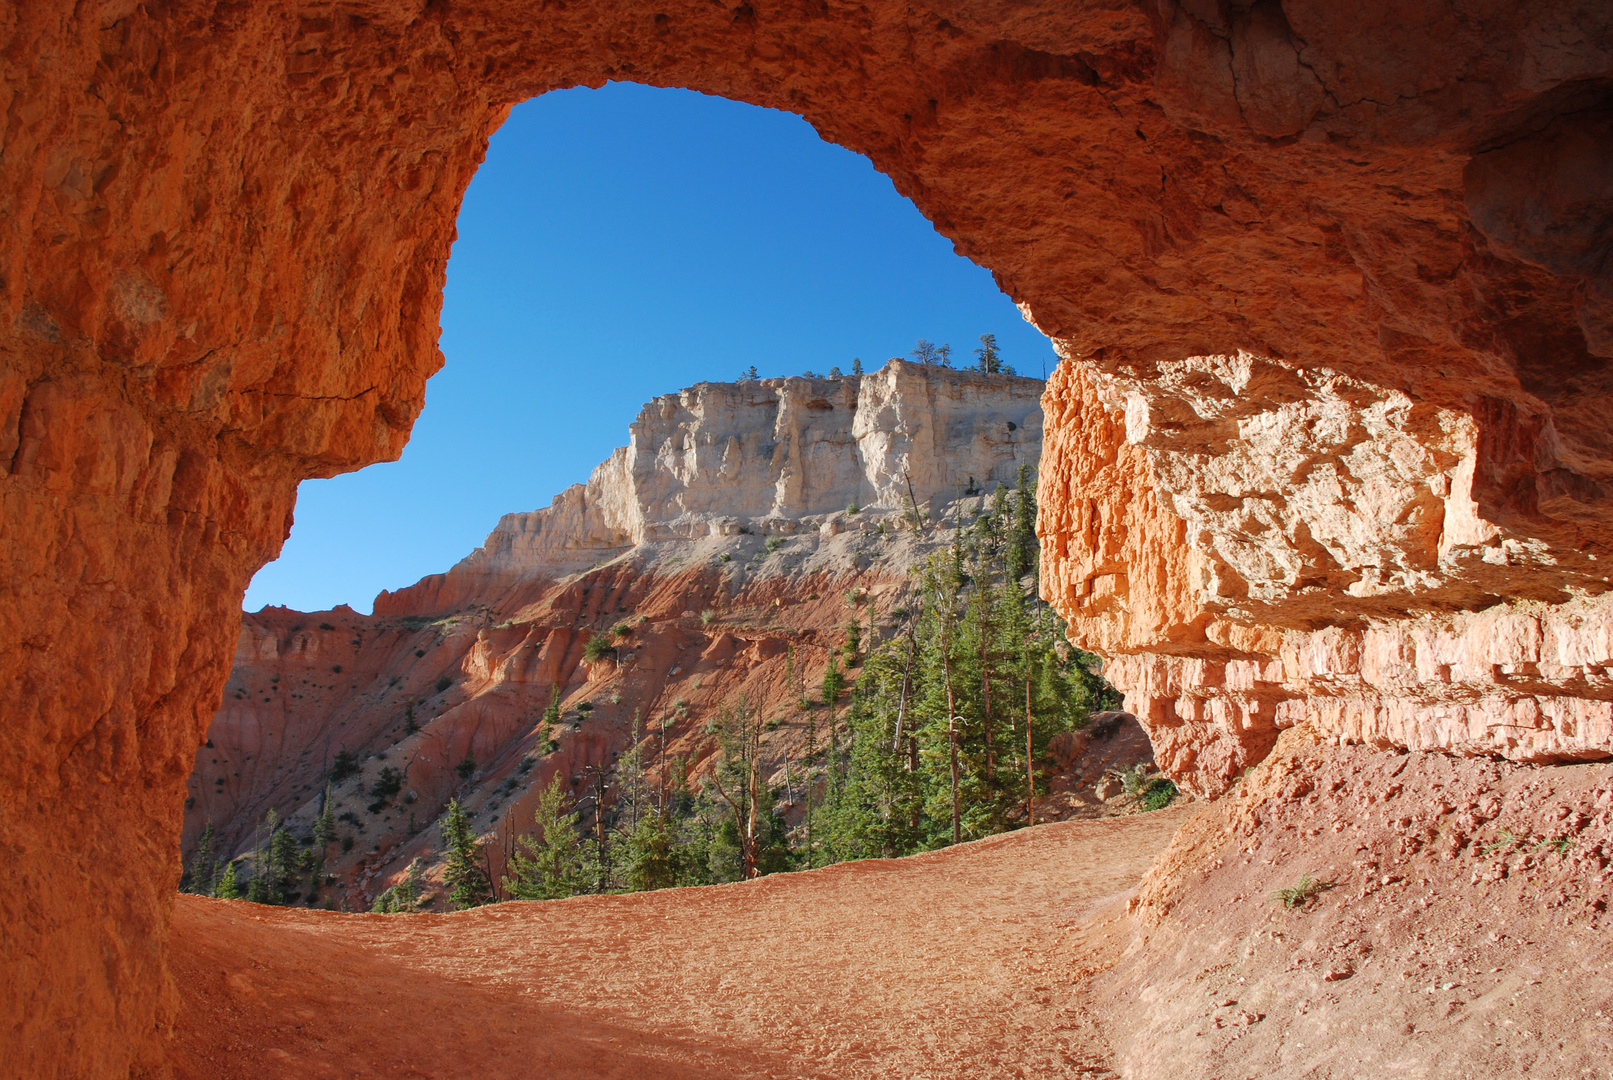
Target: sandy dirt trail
<point>970,962</point>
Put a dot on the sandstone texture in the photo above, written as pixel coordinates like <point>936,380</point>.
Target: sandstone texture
<point>1458,925</point>
<point>1375,231</point>
<point>721,537</point>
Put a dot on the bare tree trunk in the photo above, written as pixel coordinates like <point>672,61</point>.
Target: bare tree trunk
<point>1030,769</point>
<point>952,738</point>
<point>985,688</point>
<point>907,683</point>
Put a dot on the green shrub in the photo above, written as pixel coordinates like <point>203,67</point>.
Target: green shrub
<point>345,764</point>
<point>444,683</point>
<point>773,543</point>
<point>1158,793</point>
<point>595,648</point>
<point>466,768</point>
<point>1300,894</point>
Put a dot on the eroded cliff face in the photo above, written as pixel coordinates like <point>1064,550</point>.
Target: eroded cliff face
<point>734,539</point>
<point>223,232</point>
<point>1293,544</point>
<point>768,456</point>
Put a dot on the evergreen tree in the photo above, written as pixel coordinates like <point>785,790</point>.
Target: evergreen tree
<point>551,862</point>
<point>856,366</point>
<point>405,895</point>
<point>989,361</point>
<point>466,880</point>
<point>1023,547</point>
<point>227,888</point>
<point>325,822</point>
<point>650,855</point>
<point>933,724</point>
<point>924,352</point>
<point>203,865</point>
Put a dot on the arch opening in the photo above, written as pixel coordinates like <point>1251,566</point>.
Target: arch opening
<point>223,263</point>
<point>674,240</point>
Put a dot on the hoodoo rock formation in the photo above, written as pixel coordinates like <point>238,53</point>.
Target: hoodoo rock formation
<point>734,538</point>
<point>1331,441</point>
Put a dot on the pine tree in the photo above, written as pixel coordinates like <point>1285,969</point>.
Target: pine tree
<point>550,862</point>
<point>924,352</point>
<point>203,866</point>
<point>989,360</point>
<point>227,888</point>
<point>467,882</point>
<point>325,822</point>
<point>856,366</point>
<point>283,865</point>
<point>933,746</point>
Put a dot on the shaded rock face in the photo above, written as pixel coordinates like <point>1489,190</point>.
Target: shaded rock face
<point>224,235</point>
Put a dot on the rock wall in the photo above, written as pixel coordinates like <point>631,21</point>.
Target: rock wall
<point>223,233</point>
<point>761,456</point>
<point>1293,544</point>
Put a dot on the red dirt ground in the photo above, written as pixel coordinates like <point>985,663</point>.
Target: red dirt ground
<point>971,962</point>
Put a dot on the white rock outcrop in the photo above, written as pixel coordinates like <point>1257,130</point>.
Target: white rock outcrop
<point>772,456</point>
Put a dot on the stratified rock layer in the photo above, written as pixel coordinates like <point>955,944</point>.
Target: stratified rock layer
<point>723,552</point>
<point>223,232</point>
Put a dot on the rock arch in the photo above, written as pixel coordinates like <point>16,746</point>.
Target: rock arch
<point>1336,286</point>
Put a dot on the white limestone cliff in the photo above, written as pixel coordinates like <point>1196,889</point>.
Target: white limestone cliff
<point>772,456</point>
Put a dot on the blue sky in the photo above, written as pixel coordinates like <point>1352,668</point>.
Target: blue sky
<point>618,244</point>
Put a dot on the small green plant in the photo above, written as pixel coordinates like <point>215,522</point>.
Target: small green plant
<point>466,768</point>
<point>624,630</point>
<point>595,648</point>
<point>584,708</point>
<point>706,616</point>
<point>1504,842</point>
<point>1158,793</point>
<point>1134,779</point>
<point>725,557</point>
<point>1302,893</point>
<point>1562,845</point>
<point>773,543</point>
<point>444,683</point>
<point>410,724</point>
<point>326,626</point>
<point>852,508</point>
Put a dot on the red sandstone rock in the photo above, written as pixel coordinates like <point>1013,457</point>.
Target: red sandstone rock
<point>222,239</point>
